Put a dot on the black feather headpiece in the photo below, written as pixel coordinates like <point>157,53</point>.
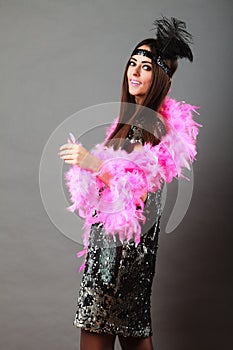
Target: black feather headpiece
<point>172,42</point>
<point>173,38</point>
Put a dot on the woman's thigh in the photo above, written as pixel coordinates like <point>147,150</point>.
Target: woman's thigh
<point>133,343</point>
<point>96,341</point>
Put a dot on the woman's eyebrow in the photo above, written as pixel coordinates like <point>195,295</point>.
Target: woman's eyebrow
<point>132,58</point>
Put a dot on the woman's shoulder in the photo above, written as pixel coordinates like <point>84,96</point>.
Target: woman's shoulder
<point>158,125</point>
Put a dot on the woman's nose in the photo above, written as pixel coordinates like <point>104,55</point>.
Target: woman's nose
<point>136,70</point>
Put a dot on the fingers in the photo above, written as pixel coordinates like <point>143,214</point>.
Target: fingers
<point>72,153</point>
<point>68,154</point>
<point>65,155</point>
<point>70,162</point>
<point>67,146</point>
<point>69,149</point>
<point>69,158</point>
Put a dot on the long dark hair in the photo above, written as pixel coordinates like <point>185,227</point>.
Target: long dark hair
<point>129,111</point>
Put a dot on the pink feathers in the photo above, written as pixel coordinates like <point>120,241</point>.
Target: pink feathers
<point>120,207</point>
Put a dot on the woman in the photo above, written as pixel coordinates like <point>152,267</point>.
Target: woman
<point>151,142</point>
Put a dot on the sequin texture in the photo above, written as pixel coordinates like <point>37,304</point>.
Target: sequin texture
<point>115,291</point>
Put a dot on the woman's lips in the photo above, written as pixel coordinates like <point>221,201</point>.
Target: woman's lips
<point>134,82</point>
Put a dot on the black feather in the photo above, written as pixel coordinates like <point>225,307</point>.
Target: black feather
<point>173,39</point>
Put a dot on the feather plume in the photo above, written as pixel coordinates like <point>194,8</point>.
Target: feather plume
<point>173,38</point>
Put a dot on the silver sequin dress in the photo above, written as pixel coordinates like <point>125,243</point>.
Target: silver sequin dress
<point>115,291</point>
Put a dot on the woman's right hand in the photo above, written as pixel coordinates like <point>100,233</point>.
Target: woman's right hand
<point>76,154</point>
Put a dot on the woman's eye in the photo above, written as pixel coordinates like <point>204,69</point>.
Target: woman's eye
<point>147,67</point>
<point>132,63</point>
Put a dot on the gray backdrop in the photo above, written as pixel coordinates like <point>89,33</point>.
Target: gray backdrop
<point>58,57</point>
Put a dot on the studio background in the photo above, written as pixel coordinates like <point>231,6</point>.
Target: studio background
<point>58,57</point>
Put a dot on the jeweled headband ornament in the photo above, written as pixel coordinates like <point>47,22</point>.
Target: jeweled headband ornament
<point>172,42</point>
<point>157,60</point>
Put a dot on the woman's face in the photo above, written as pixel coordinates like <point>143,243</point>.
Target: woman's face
<point>139,75</point>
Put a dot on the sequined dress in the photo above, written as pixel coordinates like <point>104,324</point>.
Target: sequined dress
<point>115,290</point>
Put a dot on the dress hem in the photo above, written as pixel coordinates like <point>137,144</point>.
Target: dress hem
<point>119,331</point>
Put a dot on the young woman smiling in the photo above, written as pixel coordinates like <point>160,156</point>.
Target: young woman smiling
<point>153,139</point>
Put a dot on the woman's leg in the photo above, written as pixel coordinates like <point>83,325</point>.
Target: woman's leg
<point>96,341</point>
<point>133,343</point>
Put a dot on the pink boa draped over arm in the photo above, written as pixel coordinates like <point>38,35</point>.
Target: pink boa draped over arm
<point>120,207</point>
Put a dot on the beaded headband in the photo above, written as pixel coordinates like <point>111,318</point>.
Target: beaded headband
<point>158,60</point>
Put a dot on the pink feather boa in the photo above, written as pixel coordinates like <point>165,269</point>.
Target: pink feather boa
<point>120,207</point>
